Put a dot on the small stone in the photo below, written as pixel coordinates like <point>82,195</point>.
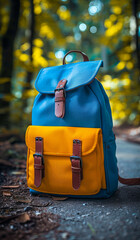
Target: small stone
<point>108,213</point>
<point>84,204</point>
<point>37,213</point>
<point>64,235</point>
<point>28,208</point>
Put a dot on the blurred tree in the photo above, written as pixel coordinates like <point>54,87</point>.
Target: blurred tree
<point>121,37</point>
<point>7,43</point>
<point>105,30</point>
<point>31,38</point>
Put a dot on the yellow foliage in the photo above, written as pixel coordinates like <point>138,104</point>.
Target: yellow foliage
<point>64,13</point>
<point>117,10</point>
<point>21,74</point>
<point>126,81</point>
<point>38,42</point>
<point>114,29</point>
<point>43,62</point>
<point>4,19</point>
<point>37,52</point>
<point>109,84</point>
<point>124,75</point>
<point>122,114</point>
<point>30,93</point>
<point>120,65</point>
<point>124,56</point>
<point>107,78</point>
<point>37,9</point>
<point>23,84</point>
<point>25,46</point>
<point>4,80</point>
<point>113,17</point>
<point>70,39</point>
<point>128,49</point>
<point>24,57</point>
<point>116,80</point>
<point>8,97</point>
<point>17,53</point>
<point>51,55</point>
<point>46,31</point>
<point>36,1</point>
<point>107,23</point>
<point>129,65</point>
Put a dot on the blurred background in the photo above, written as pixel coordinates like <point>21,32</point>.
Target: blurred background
<point>37,33</point>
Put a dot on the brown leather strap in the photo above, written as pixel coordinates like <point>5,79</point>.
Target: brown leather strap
<point>60,99</point>
<point>85,57</point>
<point>76,164</point>
<point>38,162</point>
<point>129,181</point>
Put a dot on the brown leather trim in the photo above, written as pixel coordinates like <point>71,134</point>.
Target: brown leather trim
<point>76,164</point>
<point>85,57</point>
<point>129,181</point>
<point>60,99</point>
<point>38,162</point>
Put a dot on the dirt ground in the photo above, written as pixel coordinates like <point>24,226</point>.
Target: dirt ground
<point>23,216</point>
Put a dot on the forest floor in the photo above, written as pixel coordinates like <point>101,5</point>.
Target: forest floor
<point>23,216</point>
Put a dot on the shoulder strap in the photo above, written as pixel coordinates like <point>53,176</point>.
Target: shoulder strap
<point>129,181</point>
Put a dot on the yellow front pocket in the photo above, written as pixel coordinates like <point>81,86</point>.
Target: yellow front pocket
<point>57,149</point>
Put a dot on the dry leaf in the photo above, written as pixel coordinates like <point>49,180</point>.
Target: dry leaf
<point>23,218</point>
<point>23,200</point>
<point>59,198</point>
<point>12,186</point>
<point>6,193</point>
<point>7,218</point>
<point>41,205</point>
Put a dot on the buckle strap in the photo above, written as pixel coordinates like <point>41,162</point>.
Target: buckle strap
<point>76,164</point>
<point>60,99</point>
<point>38,161</point>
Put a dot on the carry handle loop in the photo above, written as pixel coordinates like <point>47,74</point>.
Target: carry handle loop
<point>85,57</point>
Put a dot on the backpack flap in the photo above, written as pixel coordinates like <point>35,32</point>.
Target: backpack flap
<point>76,74</point>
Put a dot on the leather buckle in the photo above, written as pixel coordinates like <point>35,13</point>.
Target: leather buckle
<point>39,155</point>
<point>61,88</point>
<point>77,158</point>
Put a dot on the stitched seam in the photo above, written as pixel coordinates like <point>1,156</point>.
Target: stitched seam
<point>66,193</point>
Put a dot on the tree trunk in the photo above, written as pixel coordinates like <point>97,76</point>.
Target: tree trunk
<point>32,24</point>
<point>7,56</point>
<point>136,6</point>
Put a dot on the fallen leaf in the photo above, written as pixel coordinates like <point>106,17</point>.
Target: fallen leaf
<point>59,198</point>
<point>6,193</point>
<point>11,186</point>
<point>7,218</point>
<point>23,200</point>
<point>23,218</point>
<point>40,205</point>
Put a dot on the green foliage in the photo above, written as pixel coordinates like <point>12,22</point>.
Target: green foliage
<point>103,29</point>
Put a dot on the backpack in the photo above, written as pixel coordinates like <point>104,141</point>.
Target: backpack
<point>71,145</point>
